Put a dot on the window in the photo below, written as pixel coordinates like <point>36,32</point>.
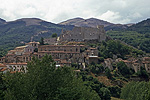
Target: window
<point>76,49</point>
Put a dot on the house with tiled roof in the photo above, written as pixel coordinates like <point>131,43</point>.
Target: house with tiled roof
<point>3,68</point>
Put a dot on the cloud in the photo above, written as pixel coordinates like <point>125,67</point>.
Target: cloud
<point>116,11</point>
<point>110,15</point>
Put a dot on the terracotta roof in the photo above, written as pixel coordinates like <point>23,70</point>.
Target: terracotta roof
<point>35,53</point>
<point>77,70</point>
<point>56,52</point>
<point>57,59</point>
<point>93,48</point>
<point>146,62</point>
<point>13,72</point>
<point>88,50</point>
<point>3,69</point>
<point>19,50</point>
<point>21,47</point>
<point>16,64</point>
<point>2,65</point>
<point>126,61</point>
<point>19,56</point>
<point>136,63</point>
<point>27,53</point>
<point>12,51</point>
<point>10,54</point>
<point>33,42</point>
<point>61,46</point>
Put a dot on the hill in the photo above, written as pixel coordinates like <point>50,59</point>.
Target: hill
<point>2,21</point>
<point>137,35</point>
<point>14,33</point>
<point>142,27</point>
<point>93,22</point>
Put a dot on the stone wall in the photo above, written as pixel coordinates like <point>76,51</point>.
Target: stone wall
<point>50,41</point>
<point>84,33</point>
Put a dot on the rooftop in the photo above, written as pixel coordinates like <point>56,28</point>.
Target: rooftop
<point>61,45</point>
<point>2,65</point>
<point>21,47</point>
<point>16,64</point>
<point>56,52</point>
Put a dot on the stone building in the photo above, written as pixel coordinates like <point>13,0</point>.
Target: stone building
<point>62,53</point>
<point>17,67</point>
<point>33,44</point>
<point>146,63</point>
<point>136,64</point>
<point>84,34</point>
<point>50,41</point>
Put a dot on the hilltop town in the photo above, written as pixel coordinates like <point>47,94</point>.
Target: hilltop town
<point>70,47</point>
<point>63,54</point>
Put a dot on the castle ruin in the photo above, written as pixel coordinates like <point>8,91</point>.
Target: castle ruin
<point>84,34</point>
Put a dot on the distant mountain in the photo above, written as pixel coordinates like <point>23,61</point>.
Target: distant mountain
<point>31,21</point>
<point>2,21</point>
<point>141,27</point>
<point>93,22</point>
<point>14,33</point>
<point>74,21</point>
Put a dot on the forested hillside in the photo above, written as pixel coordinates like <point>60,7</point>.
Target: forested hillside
<point>136,91</point>
<point>142,27</point>
<point>137,35</point>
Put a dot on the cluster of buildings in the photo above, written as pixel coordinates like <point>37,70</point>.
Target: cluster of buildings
<point>63,54</point>
<point>133,63</point>
<point>16,60</point>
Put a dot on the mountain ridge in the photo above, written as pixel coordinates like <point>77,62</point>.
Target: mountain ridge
<point>2,21</point>
<point>85,22</point>
<point>94,22</point>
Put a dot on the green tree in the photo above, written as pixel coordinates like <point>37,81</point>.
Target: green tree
<point>136,91</point>
<point>123,69</point>
<point>2,87</point>
<point>108,73</point>
<point>143,73</point>
<point>54,35</point>
<point>115,91</point>
<point>42,41</point>
<point>36,50</point>
<point>105,94</point>
<point>44,82</point>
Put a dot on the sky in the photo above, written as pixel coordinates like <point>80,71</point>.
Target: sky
<point>56,11</point>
